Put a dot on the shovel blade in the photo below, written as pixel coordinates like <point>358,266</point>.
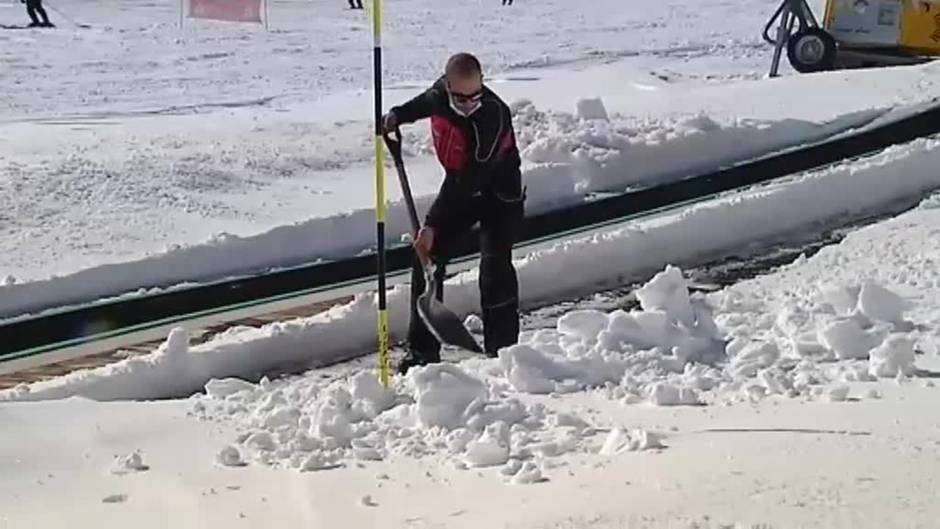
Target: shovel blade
<point>444,324</point>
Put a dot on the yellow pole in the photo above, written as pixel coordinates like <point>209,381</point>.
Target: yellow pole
<point>384,367</point>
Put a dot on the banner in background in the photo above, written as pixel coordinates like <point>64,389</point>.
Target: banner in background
<point>228,10</point>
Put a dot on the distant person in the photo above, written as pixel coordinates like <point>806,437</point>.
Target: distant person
<point>34,7</point>
<point>507,2</point>
<point>355,4</point>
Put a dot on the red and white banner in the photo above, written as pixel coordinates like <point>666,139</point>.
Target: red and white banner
<point>229,10</point>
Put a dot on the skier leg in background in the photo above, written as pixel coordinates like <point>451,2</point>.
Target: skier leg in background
<point>355,4</point>
<point>34,7</point>
<point>507,2</point>
<point>475,143</point>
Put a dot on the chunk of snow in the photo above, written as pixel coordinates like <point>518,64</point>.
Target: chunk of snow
<point>591,108</point>
<point>175,346</point>
<point>444,393</point>
<point>230,457</point>
<point>620,440</point>
<point>753,357</point>
<point>261,441</point>
<point>473,323</point>
<point>129,463</point>
<point>221,388</point>
<point>585,324</point>
<point>879,303</point>
<point>668,292</point>
<point>842,299</point>
<point>511,468</point>
<point>317,461</point>
<point>895,357</point>
<point>491,449</point>
<point>665,394</point>
<point>839,393</point>
<point>846,339</point>
<point>371,397</point>
<point>527,474</point>
<point>486,453</point>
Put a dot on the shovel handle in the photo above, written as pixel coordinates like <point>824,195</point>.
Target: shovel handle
<point>394,142</point>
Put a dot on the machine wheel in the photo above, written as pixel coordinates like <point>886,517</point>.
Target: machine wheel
<point>811,50</point>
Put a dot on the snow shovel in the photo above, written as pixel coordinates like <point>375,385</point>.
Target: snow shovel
<point>440,321</point>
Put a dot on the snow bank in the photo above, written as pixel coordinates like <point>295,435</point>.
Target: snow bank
<point>600,154</point>
<point>703,231</point>
<point>565,157</point>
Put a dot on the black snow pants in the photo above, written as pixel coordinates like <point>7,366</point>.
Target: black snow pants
<point>355,4</point>
<point>499,288</point>
<point>34,7</point>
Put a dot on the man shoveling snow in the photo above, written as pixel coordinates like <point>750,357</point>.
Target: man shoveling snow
<point>476,145</point>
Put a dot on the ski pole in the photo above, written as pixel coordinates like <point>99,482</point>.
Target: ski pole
<point>384,367</point>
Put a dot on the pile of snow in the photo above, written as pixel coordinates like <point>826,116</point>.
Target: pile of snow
<point>704,231</point>
<point>439,411</point>
<point>472,415</point>
<point>590,348</point>
<point>565,157</point>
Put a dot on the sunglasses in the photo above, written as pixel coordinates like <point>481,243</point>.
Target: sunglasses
<point>458,97</point>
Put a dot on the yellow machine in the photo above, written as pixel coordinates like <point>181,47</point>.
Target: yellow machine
<point>856,33</point>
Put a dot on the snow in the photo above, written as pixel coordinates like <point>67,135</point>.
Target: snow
<point>244,166</point>
<point>163,140</point>
<point>468,427</point>
<point>657,415</point>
